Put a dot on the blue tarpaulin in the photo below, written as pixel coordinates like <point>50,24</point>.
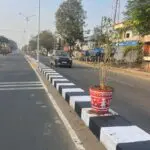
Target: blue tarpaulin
<point>96,51</point>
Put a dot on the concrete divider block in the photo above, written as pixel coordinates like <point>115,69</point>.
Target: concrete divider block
<point>64,84</point>
<point>125,138</point>
<point>70,90</point>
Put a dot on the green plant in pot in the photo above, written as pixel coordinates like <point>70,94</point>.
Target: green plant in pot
<point>101,94</point>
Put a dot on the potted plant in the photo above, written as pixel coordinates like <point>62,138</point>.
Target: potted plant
<point>101,95</point>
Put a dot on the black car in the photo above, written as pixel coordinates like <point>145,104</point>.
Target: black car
<point>60,58</point>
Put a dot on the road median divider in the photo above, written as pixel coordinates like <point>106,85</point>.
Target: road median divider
<point>112,130</point>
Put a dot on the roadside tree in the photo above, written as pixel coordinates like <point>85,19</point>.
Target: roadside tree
<point>138,15</point>
<point>70,20</point>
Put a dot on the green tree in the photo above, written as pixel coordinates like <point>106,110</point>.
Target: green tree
<point>33,43</point>
<point>103,32</point>
<point>3,39</point>
<point>12,45</point>
<point>70,20</point>
<point>138,15</point>
<point>3,42</point>
<point>47,40</point>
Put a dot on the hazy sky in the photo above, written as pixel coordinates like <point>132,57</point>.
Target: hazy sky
<point>12,24</point>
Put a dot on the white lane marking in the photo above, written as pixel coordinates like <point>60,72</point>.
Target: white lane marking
<point>19,85</point>
<point>64,91</point>
<point>30,82</point>
<point>53,80</point>
<point>74,99</point>
<point>21,88</point>
<point>65,84</point>
<point>72,133</point>
<point>112,136</point>
<point>85,115</point>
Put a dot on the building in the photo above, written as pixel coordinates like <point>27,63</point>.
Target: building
<point>129,37</point>
<point>88,44</point>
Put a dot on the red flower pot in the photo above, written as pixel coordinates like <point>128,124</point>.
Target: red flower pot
<point>100,99</point>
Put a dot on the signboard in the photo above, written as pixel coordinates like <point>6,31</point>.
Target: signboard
<point>127,43</point>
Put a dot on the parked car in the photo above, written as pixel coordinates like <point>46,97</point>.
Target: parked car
<point>60,58</point>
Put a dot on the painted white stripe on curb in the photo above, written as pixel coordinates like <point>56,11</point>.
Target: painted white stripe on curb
<point>65,84</point>
<point>64,91</point>
<point>112,136</point>
<point>51,73</point>
<point>44,72</point>
<point>55,76</point>
<point>53,80</point>
<point>42,66</point>
<point>47,70</point>
<point>85,116</point>
<point>74,99</point>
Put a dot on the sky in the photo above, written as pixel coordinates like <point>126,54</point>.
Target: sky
<point>13,25</point>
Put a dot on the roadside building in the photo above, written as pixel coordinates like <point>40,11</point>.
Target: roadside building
<point>129,37</point>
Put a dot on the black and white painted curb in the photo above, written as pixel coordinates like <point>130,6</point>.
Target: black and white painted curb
<point>113,131</point>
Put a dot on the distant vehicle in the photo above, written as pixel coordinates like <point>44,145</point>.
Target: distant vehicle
<point>60,58</point>
<point>4,51</point>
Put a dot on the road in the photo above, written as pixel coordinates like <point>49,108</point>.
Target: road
<point>27,119</point>
<point>131,97</point>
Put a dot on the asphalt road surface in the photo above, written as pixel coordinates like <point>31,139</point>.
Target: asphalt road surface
<point>131,97</point>
<point>27,118</point>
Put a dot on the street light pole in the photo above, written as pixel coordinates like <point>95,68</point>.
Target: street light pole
<point>38,39</point>
<point>27,19</point>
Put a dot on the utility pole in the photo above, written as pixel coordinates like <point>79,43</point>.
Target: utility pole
<point>116,11</point>
<point>38,39</point>
<point>116,18</point>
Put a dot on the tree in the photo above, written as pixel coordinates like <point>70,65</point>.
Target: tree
<point>103,32</point>
<point>47,41</point>
<point>3,39</point>
<point>70,20</point>
<point>33,43</point>
<point>12,45</point>
<point>6,44</point>
<point>138,15</point>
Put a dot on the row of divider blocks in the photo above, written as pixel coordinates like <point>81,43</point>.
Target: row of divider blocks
<point>115,132</point>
